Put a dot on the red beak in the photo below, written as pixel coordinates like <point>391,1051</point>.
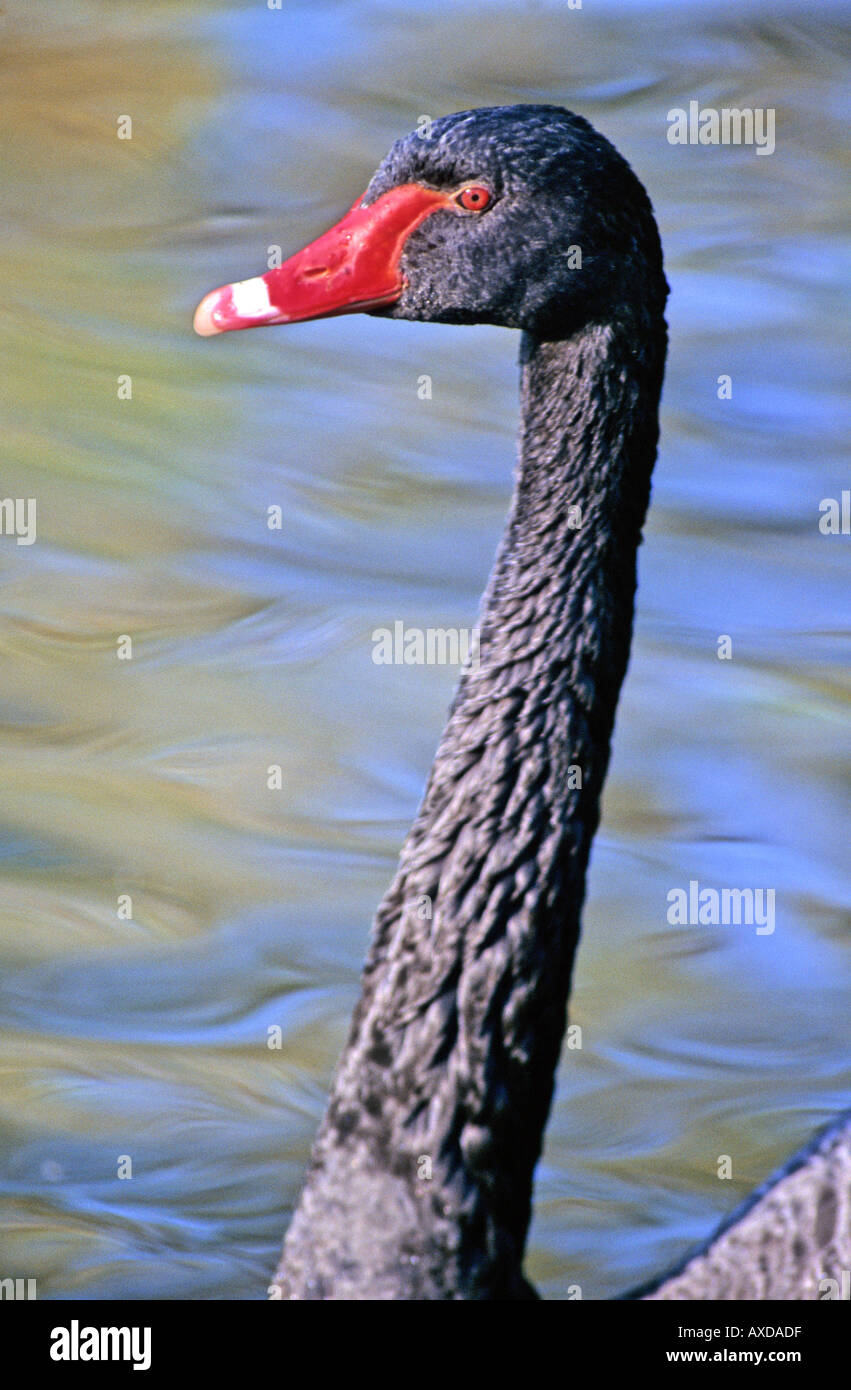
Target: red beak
<point>353,266</point>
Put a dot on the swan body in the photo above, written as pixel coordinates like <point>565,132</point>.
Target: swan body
<point>789,1240</point>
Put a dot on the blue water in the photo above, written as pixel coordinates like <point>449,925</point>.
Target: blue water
<point>137,1045</point>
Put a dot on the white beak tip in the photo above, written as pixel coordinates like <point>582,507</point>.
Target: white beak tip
<point>204,321</point>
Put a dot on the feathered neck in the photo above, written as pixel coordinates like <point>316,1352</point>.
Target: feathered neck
<point>421,1178</point>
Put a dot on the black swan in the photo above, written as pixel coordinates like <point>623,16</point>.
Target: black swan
<point>420,1183</point>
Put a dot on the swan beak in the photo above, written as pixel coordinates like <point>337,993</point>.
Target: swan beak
<point>351,268</point>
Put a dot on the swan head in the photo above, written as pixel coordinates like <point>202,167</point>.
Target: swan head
<point>521,216</point>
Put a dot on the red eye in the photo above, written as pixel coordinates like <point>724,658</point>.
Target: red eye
<point>474,198</point>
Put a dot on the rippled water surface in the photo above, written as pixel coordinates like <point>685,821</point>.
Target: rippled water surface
<point>144,1035</point>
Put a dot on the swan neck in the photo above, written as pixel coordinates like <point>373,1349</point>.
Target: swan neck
<point>436,1120</point>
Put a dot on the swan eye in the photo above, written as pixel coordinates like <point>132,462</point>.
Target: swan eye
<point>474,198</point>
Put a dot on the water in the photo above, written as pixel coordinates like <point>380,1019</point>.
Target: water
<point>137,1044</point>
